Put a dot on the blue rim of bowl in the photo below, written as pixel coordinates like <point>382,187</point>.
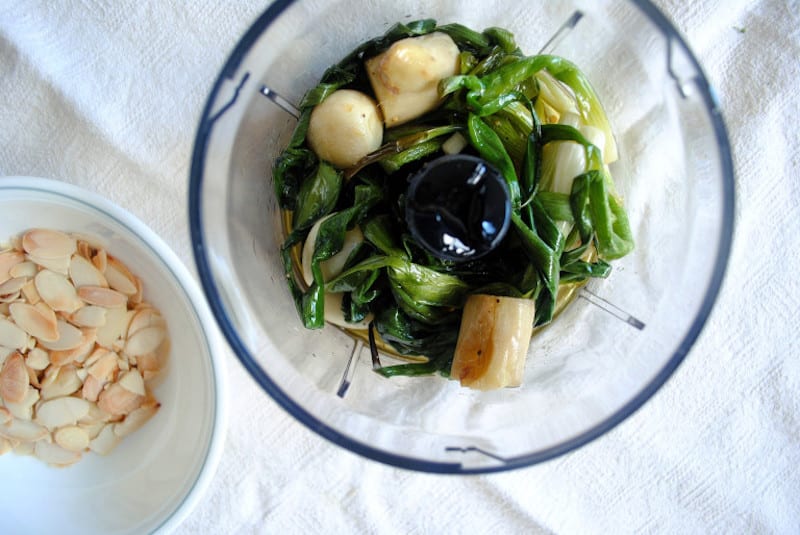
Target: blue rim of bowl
<point>309,420</point>
<point>170,261</point>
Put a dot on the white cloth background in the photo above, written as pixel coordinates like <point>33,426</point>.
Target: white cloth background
<point>107,95</point>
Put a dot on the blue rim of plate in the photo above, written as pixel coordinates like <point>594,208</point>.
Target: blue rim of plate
<point>169,260</point>
<point>309,420</point>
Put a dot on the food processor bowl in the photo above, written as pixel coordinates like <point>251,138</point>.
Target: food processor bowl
<point>599,360</point>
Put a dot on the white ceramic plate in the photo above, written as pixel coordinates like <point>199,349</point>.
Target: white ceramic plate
<point>154,478</point>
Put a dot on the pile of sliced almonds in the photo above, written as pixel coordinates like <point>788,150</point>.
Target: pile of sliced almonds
<point>79,348</point>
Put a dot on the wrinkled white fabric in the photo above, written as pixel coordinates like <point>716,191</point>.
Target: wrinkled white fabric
<point>107,95</point>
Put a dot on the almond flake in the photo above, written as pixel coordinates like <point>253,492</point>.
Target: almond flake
<point>72,438</point>
<point>117,321</point>
<point>9,259</point>
<point>133,382</point>
<point>61,411</point>
<point>46,243</point>
<point>145,340</point>
<point>100,260</point>
<point>104,367</point>
<point>117,400</point>
<point>30,293</point>
<point>54,454</point>
<point>145,317</point>
<point>25,269</point>
<point>94,416</point>
<point>37,359</point>
<point>77,354</point>
<point>92,429</point>
<point>13,286</point>
<point>65,383</point>
<point>14,382</point>
<point>23,447</point>
<point>5,445</point>
<point>84,273</point>
<point>57,291</point>
<point>69,337</point>
<point>59,265</point>
<point>137,297</point>
<point>104,297</point>
<point>105,441</point>
<point>23,430</point>
<point>89,316</point>
<point>35,321</point>
<point>11,335</point>
<point>119,276</point>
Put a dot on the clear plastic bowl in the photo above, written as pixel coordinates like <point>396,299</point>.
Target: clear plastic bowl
<point>597,363</point>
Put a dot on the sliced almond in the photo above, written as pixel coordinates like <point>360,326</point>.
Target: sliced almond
<point>145,340</point>
<point>89,316</point>
<point>37,359</point>
<point>92,387</point>
<point>46,243</point>
<point>6,352</point>
<point>77,354</point>
<point>59,265</point>
<point>104,297</point>
<point>54,454</point>
<point>119,276</point>
<point>84,273</point>
<point>50,375</point>
<point>92,429</point>
<point>100,259</point>
<point>117,400</point>
<point>145,317</point>
<point>24,430</point>
<point>85,250</point>
<point>6,445</point>
<point>57,291</point>
<point>9,298</point>
<point>13,285</point>
<point>69,337</point>
<point>135,420</point>
<point>25,269</point>
<point>94,416</point>
<point>105,441</point>
<point>133,382</point>
<point>30,293</point>
<point>117,321</point>
<point>9,259</point>
<point>105,368</point>
<point>23,447</point>
<point>62,411</point>
<point>148,363</point>
<point>14,382</point>
<point>137,297</point>
<point>33,377</point>
<point>66,383</point>
<point>35,321</point>
<point>72,438</point>
<point>11,335</point>
<point>5,415</point>
<point>82,373</point>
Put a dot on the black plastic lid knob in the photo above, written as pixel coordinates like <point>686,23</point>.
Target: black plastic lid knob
<point>458,207</point>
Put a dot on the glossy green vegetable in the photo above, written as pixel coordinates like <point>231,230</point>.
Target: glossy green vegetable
<point>416,299</point>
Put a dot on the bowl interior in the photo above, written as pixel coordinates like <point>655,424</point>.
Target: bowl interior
<point>148,480</point>
<point>606,354</point>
